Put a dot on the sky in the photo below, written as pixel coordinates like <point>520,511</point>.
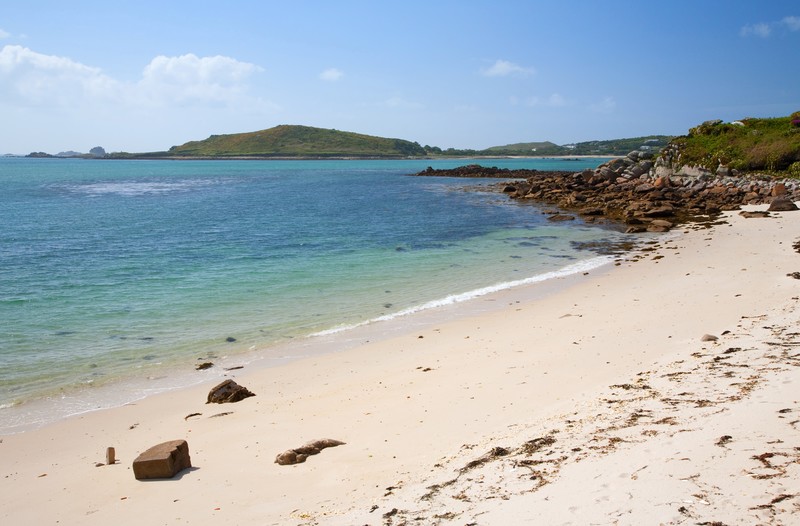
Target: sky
<point>144,76</point>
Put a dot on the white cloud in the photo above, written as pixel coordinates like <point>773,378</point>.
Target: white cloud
<point>35,79</point>
<point>762,30</point>
<point>50,80</point>
<point>331,75</point>
<point>792,22</point>
<point>4,34</point>
<point>504,68</point>
<point>607,105</point>
<point>190,78</point>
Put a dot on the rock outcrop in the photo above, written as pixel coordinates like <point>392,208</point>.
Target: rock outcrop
<point>644,193</point>
<point>228,392</point>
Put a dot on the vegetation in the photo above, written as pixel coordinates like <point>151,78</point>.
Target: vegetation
<point>749,145</point>
<point>612,147</point>
<point>297,141</point>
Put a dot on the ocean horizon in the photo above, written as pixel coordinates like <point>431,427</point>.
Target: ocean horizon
<point>130,273</point>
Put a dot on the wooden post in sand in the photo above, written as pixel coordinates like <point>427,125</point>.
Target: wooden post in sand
<point>110,456</point>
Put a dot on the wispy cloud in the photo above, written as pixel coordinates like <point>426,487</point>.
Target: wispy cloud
<point>399,102</point>
<point>556,100</point>
<point>504,68</point>
<point>31,78</point>
<point>762,30</point>
<point>607,105</point>
<point>4,34</point>
<point>792,22</point>
<point>765,29</point>
<point>331,75</point>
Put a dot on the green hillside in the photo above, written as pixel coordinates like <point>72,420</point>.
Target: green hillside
<point>609,147</point>
<point>297,141</point>
<point>749,145</point>
<point>529,148</point>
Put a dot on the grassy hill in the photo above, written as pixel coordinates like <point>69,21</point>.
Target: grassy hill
<point>749,145</point>
<point>297,141</point>
<point>529,148</point>
<point>610,147</point>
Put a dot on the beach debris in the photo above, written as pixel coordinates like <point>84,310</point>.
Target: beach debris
<point>226,413</point>
<point>203,366</point>
<point>724,439</point>
<point>782,204</point>
<point>300,454</point>
<point>234,368</point>
<point>795,275</point>
<point>230,339</point>
<point>709,338</point>
<point>111,456</point>
<point>228,392</point>
<point>190,415</point>
<point>162,461</point>
<point>749,214</point>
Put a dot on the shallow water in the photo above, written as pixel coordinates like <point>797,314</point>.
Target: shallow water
<point>120,271</point>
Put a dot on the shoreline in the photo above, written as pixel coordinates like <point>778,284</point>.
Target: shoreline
<point>117,392</point>
<point>413,405</point>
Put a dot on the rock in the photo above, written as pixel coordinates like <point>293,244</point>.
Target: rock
<point>228,392</point>
<point>203,366</point>
<point>709,338</point>
<point>561,217</point>
<point>754,213</point>
<point>162,461</point>
<point>778,190</point>
<point>661,211</point>
<point>659,225</point>
<point>664,171</point>
<point>300,454</point>
<point>782,204</point>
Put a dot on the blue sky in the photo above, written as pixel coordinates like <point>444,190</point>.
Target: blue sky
<point>144,76</point>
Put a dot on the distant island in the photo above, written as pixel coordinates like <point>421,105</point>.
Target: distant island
<point>769,145</point>
<point>307,142</point>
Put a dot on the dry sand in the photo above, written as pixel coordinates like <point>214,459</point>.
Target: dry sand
<point>596,404</point>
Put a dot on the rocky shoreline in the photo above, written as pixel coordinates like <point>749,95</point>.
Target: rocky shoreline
<point>644,193</point>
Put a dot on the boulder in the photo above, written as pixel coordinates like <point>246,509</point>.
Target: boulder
<point>659,225</point>
<point>162,461</point>
<point>779,189</point>
<point>228,392</point>
<point>782,204</point>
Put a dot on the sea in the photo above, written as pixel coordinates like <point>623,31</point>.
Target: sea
<point>119,277</point>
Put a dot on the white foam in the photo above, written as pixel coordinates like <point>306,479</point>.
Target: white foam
<point>136,188</point>
<point>575,268</point>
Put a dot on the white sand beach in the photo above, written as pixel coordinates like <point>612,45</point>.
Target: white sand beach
<point>596,403</point>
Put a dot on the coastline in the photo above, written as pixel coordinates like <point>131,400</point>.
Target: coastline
<point>411,407</point>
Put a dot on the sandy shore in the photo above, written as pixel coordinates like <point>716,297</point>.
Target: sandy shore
<point>597,404</point>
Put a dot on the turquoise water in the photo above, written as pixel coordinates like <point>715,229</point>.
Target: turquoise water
<point>113,270</point>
